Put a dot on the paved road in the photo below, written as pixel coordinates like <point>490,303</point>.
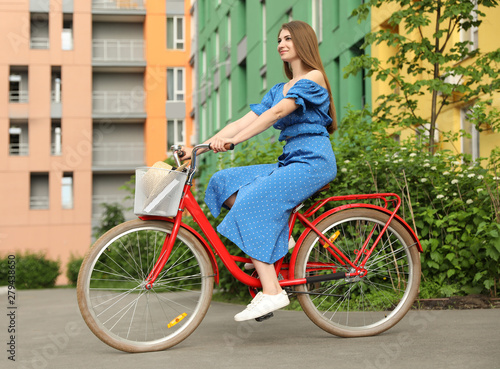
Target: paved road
<point>50,333</point>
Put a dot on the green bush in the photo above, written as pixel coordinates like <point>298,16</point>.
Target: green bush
<point>452,203</point>
<point>73,268</point>
<point>33,270</point>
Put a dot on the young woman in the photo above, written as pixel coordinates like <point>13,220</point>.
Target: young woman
<point>261,197</point>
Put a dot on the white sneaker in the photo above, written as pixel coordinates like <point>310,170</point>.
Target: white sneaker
<point>263,304</point>
<point>291,245</point>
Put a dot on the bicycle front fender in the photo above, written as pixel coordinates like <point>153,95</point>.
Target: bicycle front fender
<point>396,218</point>
<point>198,236</point>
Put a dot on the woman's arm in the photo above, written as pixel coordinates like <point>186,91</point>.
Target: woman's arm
<point>260,124</point>
<point>229,130</point>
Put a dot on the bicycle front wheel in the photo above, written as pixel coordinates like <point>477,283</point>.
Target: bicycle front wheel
<point>359,306</point>
<point>112,293</point>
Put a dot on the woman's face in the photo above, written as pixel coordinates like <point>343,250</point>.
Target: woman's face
<point>286,49</point>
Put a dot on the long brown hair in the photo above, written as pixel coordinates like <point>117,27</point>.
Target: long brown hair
<point>306,45</point>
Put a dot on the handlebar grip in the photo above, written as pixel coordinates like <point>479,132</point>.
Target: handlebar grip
<point>181,153</point>
<point>228,146</point>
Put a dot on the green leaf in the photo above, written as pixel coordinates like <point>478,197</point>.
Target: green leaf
<point>489,283</point>
<point>450,256</point>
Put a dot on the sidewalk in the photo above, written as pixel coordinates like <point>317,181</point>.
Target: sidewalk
<point>50,333</point>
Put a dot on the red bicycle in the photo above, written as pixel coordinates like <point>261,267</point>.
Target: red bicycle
<point>146,284</point>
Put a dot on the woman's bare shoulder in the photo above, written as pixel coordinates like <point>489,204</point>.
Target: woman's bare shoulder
<point>316,76</point>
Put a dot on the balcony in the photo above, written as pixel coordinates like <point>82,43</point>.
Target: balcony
<point>118,104</point>
<point>39,43</point>
<point>119,10</point>
<point>18,96</point>
<point>130,5</point>
<point>39,202</point>
<point>118,154</point>
<point>19,149</point>
<point>118,52</point>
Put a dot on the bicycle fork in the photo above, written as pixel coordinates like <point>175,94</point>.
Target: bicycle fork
<point>168,245</point>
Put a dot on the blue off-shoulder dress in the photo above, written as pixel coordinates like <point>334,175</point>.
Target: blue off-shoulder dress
<point>267,193</point>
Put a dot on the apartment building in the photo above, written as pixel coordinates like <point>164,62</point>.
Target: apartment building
<point>238,61</point>
<point>89,90</point>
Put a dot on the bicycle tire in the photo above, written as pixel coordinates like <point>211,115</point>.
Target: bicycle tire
<point>366,306</point>
<point>113,299</point>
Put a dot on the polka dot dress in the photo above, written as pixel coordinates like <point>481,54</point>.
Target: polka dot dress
<point>266,194</point>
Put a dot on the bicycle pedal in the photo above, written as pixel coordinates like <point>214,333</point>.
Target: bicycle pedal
<point>264,317</point>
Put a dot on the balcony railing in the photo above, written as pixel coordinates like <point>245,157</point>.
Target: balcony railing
<point>39,43</point>
<point>18,96</point>
<point>18,149</point>
<point>118,102</point>
<point>55,96</point>
<point>39,202</point>
<point>118,50</point>
<point>118,154</point>
<point>55,149</point>
<point>118,4</point>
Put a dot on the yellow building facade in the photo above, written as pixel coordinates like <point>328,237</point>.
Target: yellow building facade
<point>453,117</point>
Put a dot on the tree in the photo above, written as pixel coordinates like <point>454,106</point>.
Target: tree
<point>428,60</point>
<point>111,217</point>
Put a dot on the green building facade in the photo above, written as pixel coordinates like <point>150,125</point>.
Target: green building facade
<point>237,60</point>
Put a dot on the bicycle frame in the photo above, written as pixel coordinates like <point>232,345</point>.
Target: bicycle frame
<point>189,203</point>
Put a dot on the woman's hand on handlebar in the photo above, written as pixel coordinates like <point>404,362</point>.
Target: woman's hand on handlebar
<point>187,151</point>
<point>220,144</point>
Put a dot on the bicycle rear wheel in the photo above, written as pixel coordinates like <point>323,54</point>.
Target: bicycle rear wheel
<point>366,306</point>
<point>111,289</point>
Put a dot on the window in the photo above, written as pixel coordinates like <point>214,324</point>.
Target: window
<point>67,32</point>
<point>39,191</point>
<point>264,32</point>
<point>39,31</point>
<point>229,100</point>
<point>204,134</point>
<point>423,134</point>
<point>217,47</point>
<point>228,28</point>
<point>18,85</point>
<point>471,34</point>
<point>204,64</point>
<point>18,139</point>
<point>175,84</point>
<point>56,87</point>
<point>470,135</point>
<point>175,132</point>
<point>56,138</point>
<point>317,20</point>
<point>217,109</point>
<point>175,32</point>
<point>67,191</point>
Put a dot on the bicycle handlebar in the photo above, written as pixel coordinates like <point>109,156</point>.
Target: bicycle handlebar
<point>182,153</point>
<point>179,153</point>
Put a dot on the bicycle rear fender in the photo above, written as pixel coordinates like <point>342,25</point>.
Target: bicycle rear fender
<point>397,218</point>
<point>198,236</point>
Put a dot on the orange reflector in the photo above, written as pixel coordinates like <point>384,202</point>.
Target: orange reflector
<point>332,238</point>
<point>176,320</point>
